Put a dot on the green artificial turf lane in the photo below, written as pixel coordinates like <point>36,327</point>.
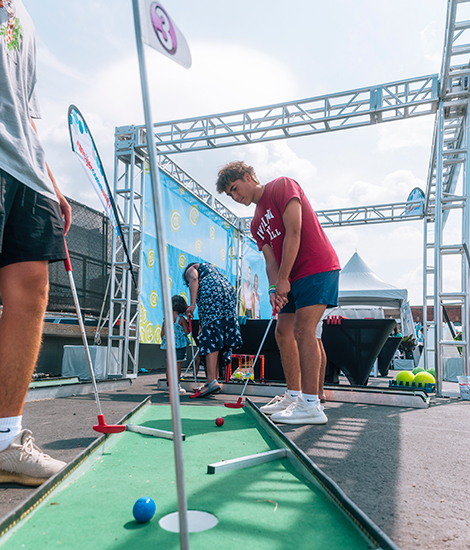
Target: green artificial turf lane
<point>264,507</point>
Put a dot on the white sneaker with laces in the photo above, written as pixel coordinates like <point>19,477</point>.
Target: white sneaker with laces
<point>181,390</point>
<point>301,413</point>
<point>24,463</point>
<point>277,404</point>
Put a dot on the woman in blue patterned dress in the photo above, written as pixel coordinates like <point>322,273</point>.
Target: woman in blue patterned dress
<point>181,329</point>
<point>220,332</point>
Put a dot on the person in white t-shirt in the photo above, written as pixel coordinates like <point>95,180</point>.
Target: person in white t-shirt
<point>256,300</point>
<point>34,216</point>
<point>247,296</point>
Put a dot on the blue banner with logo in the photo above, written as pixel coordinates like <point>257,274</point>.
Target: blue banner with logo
<point>194,233</point>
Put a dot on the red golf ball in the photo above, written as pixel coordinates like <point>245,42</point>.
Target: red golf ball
<point>219,421</point>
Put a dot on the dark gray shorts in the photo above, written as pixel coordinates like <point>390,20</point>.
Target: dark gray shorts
<point>31,226</point>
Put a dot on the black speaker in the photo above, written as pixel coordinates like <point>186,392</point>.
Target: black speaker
<point>252,334</point>
<point>386,354</point>
<point>353,346</point>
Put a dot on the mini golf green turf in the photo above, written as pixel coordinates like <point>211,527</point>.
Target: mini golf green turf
<point>269,506</point>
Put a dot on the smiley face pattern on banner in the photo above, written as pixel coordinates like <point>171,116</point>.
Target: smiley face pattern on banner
<point>194,233</point>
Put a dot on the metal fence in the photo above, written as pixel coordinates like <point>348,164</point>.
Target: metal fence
<point>89,241</point>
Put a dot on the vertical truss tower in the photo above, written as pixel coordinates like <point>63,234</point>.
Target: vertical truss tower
<point>446,252</point>
<point>123,339</point>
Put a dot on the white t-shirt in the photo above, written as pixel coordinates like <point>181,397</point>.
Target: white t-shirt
<point>21,153</point>
<point>247,292</point>
<point>256,304</point>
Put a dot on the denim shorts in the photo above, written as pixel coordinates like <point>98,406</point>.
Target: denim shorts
<point>319,288</point>
<point>180,354</point>
<point>31,226</point>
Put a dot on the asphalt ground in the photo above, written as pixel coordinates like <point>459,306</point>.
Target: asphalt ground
<point>407,469</point>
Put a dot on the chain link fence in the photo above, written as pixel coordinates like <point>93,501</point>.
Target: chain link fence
<point>89,241</point>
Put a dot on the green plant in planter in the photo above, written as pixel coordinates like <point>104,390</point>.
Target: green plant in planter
<point>407,345</point>
<point>458,336</point>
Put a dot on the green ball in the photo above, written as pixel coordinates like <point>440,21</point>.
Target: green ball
<point>432,371</point>
<point>424,378</point>
<point>405,376</point>
<point>417,369</point>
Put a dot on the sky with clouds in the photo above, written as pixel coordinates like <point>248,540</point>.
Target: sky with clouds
<point>249,54</point>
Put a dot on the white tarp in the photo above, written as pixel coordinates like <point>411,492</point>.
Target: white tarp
<point>359,285</point>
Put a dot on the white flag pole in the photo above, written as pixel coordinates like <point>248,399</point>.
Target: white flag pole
<point>164,274</point>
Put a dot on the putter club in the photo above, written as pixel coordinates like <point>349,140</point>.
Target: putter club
<point>190,365</point>
<point>192,353</point>
<point>239,404</point>
<point>196,391</point>
<point>101,427</point>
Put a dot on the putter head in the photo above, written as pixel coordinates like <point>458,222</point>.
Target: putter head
<point>237,405</point>
<point>104,428</point>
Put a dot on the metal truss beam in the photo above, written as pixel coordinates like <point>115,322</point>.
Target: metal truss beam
<point>357,215</point>
<point>362,215</point>
<point>367,215</point>
<point>351,109</point>
<point>189,183</point>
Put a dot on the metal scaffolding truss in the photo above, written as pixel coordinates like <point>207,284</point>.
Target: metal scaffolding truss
<point>367,215</point>
<point>356,215</point>
<point>362,107</point>
<point>123,335</point>
<point>182,177</point>
<point>448,191</point>
<point>447,96</point>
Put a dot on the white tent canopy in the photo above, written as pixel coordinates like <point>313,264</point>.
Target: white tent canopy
<point>359,285</point>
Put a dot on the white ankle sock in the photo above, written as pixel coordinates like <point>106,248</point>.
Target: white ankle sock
<point>310,399</point>
<point>10,427</point>
<point>294,394</point>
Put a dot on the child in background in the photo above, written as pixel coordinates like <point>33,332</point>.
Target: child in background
<point>179,306</point>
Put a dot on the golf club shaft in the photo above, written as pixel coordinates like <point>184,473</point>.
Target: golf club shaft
<point>190,364</point>
<point>257,355</point>
<point>68,268</point>
<point>192,352</point>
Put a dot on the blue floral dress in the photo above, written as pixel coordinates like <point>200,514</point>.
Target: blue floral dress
<point>217,305</point>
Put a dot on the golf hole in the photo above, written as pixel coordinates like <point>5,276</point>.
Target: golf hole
<point>197,521</point>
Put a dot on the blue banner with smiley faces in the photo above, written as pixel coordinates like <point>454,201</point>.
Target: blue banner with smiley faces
<point>194,233</point>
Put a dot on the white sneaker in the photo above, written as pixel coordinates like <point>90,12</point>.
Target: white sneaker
<point>181,390</point>
<point>277,404</point>
<point>24,463</point>
<point>301,413</point>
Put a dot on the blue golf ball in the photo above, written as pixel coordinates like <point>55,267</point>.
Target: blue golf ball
<point>144,509</point>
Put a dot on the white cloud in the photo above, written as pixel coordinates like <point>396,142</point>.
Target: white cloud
<point>395,187</point>
<point>412,280</point>
<point>431,43</point>
<point>275,159</point>
<point>403,134</point>
<point>224,77</point>
<point>392,251</point>
<point>50,62</point>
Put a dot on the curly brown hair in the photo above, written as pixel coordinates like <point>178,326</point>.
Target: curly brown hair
<point>233,171</point>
